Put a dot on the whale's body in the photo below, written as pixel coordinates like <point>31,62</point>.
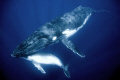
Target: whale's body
<point>49,59</point>
<point>59,29</point>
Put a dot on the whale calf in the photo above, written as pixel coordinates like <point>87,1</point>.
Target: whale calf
<point>57,30</point>
<point>50,59</point>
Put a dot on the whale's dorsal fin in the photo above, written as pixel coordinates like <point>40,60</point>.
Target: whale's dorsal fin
<point>38,66</point>
<point>71,46</point>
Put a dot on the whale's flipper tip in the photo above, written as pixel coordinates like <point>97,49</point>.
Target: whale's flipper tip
<point>81,55</point>
<point>38,66</point>
<point>65,69</point>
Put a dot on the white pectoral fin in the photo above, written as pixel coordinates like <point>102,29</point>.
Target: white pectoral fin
<point>38,66</point>
<point>71,46</point>
<point>65,69</point>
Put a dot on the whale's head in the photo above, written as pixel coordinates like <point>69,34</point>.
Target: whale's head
<point>19,51</point>
<point>31,45</point>
<point>17,54</point>
<point>23,50</point>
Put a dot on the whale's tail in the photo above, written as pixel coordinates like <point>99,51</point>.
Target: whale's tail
<point>65,69</point>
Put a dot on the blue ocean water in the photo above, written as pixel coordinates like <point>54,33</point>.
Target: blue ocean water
<point>99,40</point>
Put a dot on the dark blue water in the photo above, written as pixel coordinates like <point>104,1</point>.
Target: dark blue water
<point>99,40</point>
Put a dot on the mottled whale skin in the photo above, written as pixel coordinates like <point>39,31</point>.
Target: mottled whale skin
<point>58,29</point>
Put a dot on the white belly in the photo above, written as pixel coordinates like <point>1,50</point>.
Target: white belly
<point>45,59</point>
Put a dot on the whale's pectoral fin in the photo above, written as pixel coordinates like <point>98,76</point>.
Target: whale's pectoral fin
<point>38,66</point>
<point>65,69</point>
<point>71,46</point>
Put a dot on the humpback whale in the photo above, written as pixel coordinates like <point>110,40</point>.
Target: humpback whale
<point>39,59</point>
<point>57,30</point>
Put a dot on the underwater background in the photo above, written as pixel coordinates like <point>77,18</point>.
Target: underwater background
<point>99,40</point>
